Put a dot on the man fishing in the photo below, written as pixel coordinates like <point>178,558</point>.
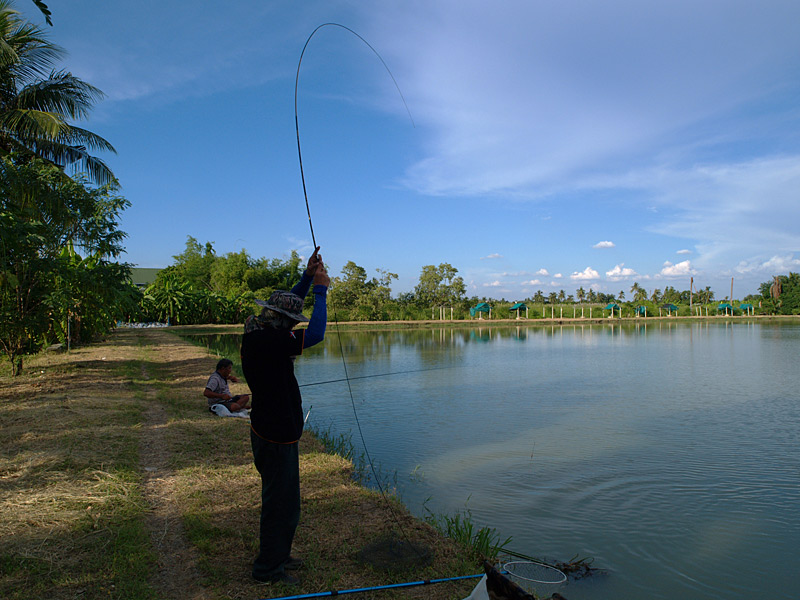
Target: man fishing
<point>269,347</point>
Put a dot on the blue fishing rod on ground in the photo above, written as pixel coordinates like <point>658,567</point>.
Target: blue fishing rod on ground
<point>375,588</point>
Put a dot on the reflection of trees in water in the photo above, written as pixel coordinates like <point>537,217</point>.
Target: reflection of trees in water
<point>226,345</point>
<point>435,346</point>
<point>426,347</point>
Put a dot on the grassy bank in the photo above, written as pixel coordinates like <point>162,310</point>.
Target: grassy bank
<point>117,483</point>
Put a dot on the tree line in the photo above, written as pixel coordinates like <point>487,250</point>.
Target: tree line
<point>59,239</point>
<point>202,287</point>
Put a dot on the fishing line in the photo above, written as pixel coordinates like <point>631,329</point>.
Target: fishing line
<point>376,375</point>
<point>314,241</point>
<point>297,122</point>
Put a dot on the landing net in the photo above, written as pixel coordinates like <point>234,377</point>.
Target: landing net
<point>534,577</point>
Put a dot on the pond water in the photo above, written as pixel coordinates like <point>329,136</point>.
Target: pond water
<point>668,452</point>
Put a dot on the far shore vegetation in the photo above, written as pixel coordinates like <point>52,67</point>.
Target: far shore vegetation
<point>67,298</point>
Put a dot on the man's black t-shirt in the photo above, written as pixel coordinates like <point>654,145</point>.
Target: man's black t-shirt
<point>277,413</point>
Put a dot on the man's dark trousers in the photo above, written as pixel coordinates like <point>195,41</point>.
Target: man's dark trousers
<point>279,467</point>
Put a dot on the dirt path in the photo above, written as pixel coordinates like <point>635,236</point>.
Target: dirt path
<point>177,575</point>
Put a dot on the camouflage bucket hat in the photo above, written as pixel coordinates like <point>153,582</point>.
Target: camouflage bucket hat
<point>286,303</point>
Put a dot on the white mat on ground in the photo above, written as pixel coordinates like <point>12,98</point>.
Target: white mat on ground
<point>221,411</point>
<point>479,593</point>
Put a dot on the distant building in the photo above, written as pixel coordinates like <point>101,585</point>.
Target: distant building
<point>142,277</point>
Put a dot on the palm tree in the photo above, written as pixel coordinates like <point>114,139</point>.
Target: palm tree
<point>37,102</point>
<point>639,293</point>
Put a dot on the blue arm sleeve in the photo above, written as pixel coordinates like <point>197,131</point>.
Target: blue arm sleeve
<point>301,289</point>
<point>315,332</point>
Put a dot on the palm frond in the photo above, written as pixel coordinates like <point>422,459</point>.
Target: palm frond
<point>26,47</point>
<point>37,102</point>
<point>30,125</point>
<point>77,158</point>
<point>62,93</point>
<point>76,136</point>
<point>45,11</point>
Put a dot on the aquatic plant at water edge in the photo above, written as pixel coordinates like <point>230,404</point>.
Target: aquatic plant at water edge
<point>483,542</point>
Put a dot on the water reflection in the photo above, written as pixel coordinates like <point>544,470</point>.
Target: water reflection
<point>665,449</point>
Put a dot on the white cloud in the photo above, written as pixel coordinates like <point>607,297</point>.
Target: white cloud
<point>159,61</point>
<point>722,208</point>
<point>620,272</point>
<point>503,124</point>
<point>542,272</point>
<point>684,251</point>
<point>491,256</point>
<point>532,282</point>
<point>774,266</point>
<point>492,284</point>
<point>586,274</point>
<point>655,127</point>
<point>558,275</point>
<point>605,244</point>
<point>678,270</point>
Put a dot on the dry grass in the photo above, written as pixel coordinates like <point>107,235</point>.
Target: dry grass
<point>112,443</point>
<point>70,503</point>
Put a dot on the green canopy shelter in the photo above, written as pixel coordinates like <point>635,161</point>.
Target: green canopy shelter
<point>613,307</point>
<point>725,307</point>
<point>481,308</point>
<point>518,307</point>
<point>640,310</point>
<point>670,308</point>
<point>748,308</point>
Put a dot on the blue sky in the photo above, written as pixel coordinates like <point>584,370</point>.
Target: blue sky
<point>554,144</point>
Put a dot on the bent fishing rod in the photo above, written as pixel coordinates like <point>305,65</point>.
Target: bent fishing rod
<point>347,377</point>
<point>297,121</point>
